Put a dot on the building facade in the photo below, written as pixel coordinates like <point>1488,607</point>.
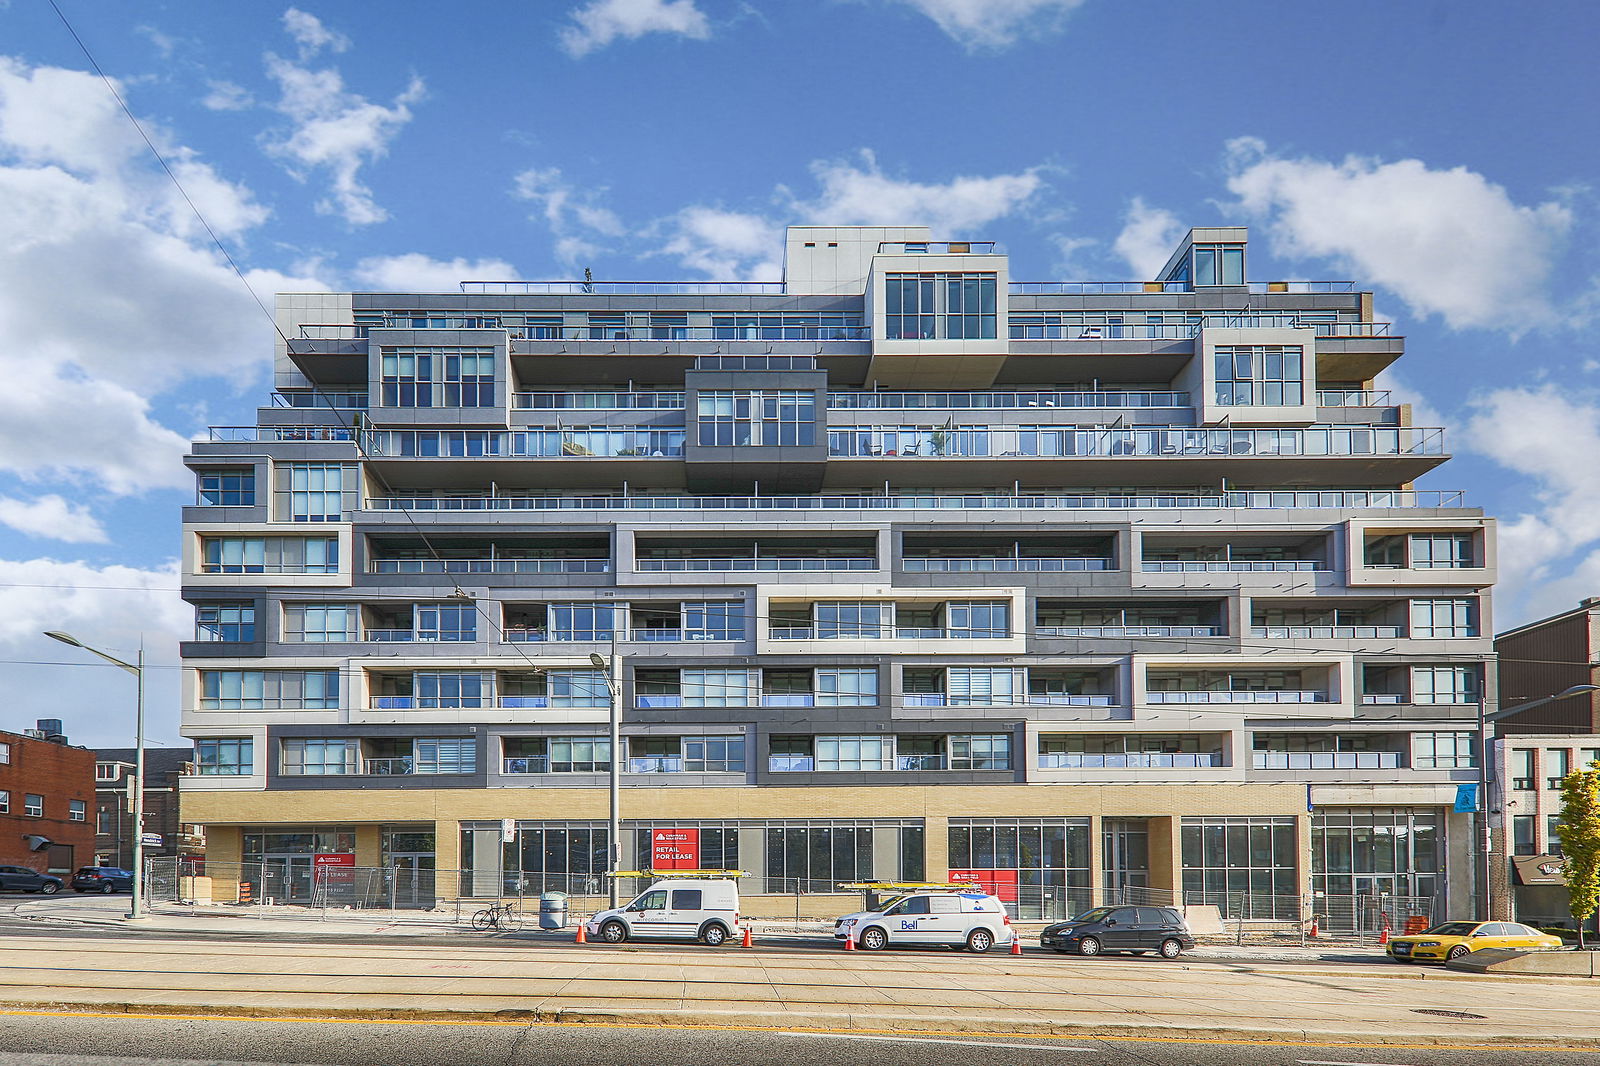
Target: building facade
<point>1534,750</point>
<point>114,821</point>
<point>46,788</point>
<point>906,570</point>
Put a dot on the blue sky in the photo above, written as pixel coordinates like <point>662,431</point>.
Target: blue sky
<point>1439,153</point>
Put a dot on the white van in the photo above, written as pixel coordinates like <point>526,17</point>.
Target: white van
<point>974,920</point>
<point>707,911</point>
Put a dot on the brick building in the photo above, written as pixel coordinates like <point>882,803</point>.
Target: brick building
<point>114,804</point>
<point>46,786</point>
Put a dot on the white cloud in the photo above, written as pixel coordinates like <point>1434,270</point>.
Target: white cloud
<point>311,35</point>
<point>53,518</point>
<point>333,130</point>
<point>226,96</point>
<point>1446,242</point>
<point>415,272</point>
<point>726,245</point>
<point>991,24</point>
<point>604,21</point>
<point>864,195</point>
<point>1149,237</point>
<point>576,217</point>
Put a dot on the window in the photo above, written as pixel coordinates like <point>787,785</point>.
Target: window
<point>854,753</point>
<point>438,377</point>
<point>686,899</point>
<point>225,756</point>
<point>269,555</point>
<point>233,690</point>
<point>1436,551</point>
<point>105,820</point>
<point>447,622</point>
<point>1444,618</point>
<point>980,621</point>
<point>314,492</point>
<point>5,754</point>
<point>757,417</point>
<point>1218,264</point>
<point>1242,864</point>
<point>77,811</point>
<point>582,621</point>
<point>1552,838</point>
<point>228,488</point>
<point>1522,835</point>
<point>1444,684</point>
<point>1376,850</point>
<point>1385,553</point>
<point>979,685</point>
<point>846,686</point>
<point>714,688</point>
<point>817,858</point>
<point>852,620</point>
<point>1442,751</point>
<point>5,801</point>
<point>942,306</point>
<point>446,755</point>
<point>1050,855</point>
<point>713,755</point>
<point>33,806</point>
<point>318,623</point>
<point>107,771</point>
<point>1264,375</point>
<point>1523,773</point>
<point>713,621</point>
<point>452,689</point>
<point>225,622</point>
<point>316,757</point>
<point>577,688</point>
<point>982,752</point>
<point>580,755</point>
<point>1559,764</point>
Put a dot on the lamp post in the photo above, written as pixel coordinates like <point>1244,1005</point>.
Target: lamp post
<point>1486,779</point>
<point>136,668</point>
<point>614,700</point>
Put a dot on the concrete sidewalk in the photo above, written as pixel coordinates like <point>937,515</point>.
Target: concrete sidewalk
<point>904,991</point>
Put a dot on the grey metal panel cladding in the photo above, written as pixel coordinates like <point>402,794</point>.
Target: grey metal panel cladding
<point>278,780</point>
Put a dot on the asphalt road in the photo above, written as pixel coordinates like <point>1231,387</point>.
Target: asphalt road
<point>122,1040</point>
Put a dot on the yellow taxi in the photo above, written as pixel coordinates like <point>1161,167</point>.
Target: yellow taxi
<point>1452,940</point>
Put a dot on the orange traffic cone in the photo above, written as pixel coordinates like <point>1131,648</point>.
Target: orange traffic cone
<point>749,938</point>
<point>582,937</point>
<point>849,941</point>
<point>1313,931</point>
<point>1016,943</point>
<point>1383,933</point>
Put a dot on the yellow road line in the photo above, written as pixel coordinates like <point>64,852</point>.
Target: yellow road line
<point>702,1027</point>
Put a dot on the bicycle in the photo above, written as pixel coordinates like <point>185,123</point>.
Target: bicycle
<point>497,916</point>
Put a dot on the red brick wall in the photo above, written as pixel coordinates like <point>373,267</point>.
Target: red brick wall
<point>59,774</point>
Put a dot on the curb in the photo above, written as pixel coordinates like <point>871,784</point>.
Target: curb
<point>981,1025</point>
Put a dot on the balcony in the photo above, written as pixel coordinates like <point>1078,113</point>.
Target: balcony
<point>281,434</point>
<point>488,566</point>
<point>1288,499</point>
<point>919,762</point>
<point>936,247</point>
<point>1133,760</point>
<point>1113,288</point>
<point>391,767</point>
<point>323,399</point>
<point>1000,400</point>
<point>1042,699</point>
<point>785,764</point>
<point>1354,398</point>
<point>406,703</point>
<point>623,288</point>
<point>532,764</point>
<point>656,764</point>
<point>597,401</point>
<point>991,565</point>
<point>1128,631</point>
<point>1242,696</point>
<point>1218,566</point>
<point>1327,632</point>
<point>611,442</point>
<point>1064,443</point>
<point>671,700</point>
<point>739,564</point>
<point>1325,760</point>
<point>883,633</point>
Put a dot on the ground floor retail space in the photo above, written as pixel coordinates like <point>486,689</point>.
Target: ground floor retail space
<point>1047,851</point>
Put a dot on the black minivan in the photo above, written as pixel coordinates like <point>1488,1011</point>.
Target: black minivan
<point>1135,929</point>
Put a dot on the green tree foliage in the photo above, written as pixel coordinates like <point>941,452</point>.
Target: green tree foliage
<point>1580,840</point>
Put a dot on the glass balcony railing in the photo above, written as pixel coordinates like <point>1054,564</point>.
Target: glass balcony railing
<point>390,767</point>
<point>532,635</point>
<point>1354,398</point>
<point>597,401</point>
<point>656,764</point>
<point>1127,631</point>
<point>623,288</point>
<point>531,764</point>
<point>606,443</point>
<point>772,333</point>
<point>1000,565</point>
<point>883,633</point>
<point>1027,699</point>
<point>936,247</point>
<point>282,434</point>
<point>1264,499</point>
<point>1132,760</point>
<point>737,564</point>
<point>328,399</point>
<point>919,762</point>
<point>1243,696</point>
<point>1113,288</point>
<point>488,566</point>
<point>1325,760</point>
<point>524,702</point>
<point>1327,632</point>
<point>1215,566</point>
<point>1000,400</point>
<point>671,700</point>
<point>783,764</point>
<point>972,442</point>
<point>395,703</point>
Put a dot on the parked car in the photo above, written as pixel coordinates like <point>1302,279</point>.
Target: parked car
<point>707,911</point>
<point>1115,929</point>
<point>107,879</point>
<point>22,879</point>
<point>974,920</point>
<point>1451,940</point>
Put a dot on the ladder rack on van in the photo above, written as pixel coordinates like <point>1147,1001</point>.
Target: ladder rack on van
<point>663,875</point>
<point>907,886</point>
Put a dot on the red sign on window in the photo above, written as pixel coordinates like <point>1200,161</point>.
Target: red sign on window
<point>675,849</point>
<point>336,866</point>
<point>1001,884</point>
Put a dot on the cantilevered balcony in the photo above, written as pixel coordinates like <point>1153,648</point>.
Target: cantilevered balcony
<point>769,554</point>
<point>966,553</point>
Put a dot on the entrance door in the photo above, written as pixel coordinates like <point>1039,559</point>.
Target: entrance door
<point>288,878</point>
<point>1125,859</point>
<point>413,880</point>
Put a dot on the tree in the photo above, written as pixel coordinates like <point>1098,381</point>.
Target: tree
<point>1580,841</point>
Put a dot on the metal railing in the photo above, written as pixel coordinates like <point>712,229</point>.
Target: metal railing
<point>1325,760</point>
<point>597,401</point>
<point>525,764</point>
<point>624,288</point>
<point>737,564</point>
<point>1213,566</point>
<point>1327,632</point>
<point>488,566</point>
<point>936,247</point>
<point>999,565</point>
<point>1131,760</point>
<point>1001,400</point>
<point>1242,696</point>
<point>1265,499</point>
<point>389,767</point>
<point>884,633</point>
<point>919,762</point>
<point>331,399</point>
<point>279,434</point>
<point>591,442</point>
<point>1022,699</point>
<point>671,700</point>
<point>1128,631</point>
<point>1354,398</point>
<point>983,442</point>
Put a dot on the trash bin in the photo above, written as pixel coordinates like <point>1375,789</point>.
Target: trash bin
<point>553,910</point>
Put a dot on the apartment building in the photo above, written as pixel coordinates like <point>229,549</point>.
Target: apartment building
<point>46,786</point>
<point>904,570</point>
<point>1535,749</point>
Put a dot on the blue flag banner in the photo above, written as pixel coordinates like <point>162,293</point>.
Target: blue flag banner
<point>1467,797</point>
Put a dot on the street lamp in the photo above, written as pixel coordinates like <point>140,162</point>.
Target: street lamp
<point>136,668</point>
<point>614,695</point>
<point>1486,779</point>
